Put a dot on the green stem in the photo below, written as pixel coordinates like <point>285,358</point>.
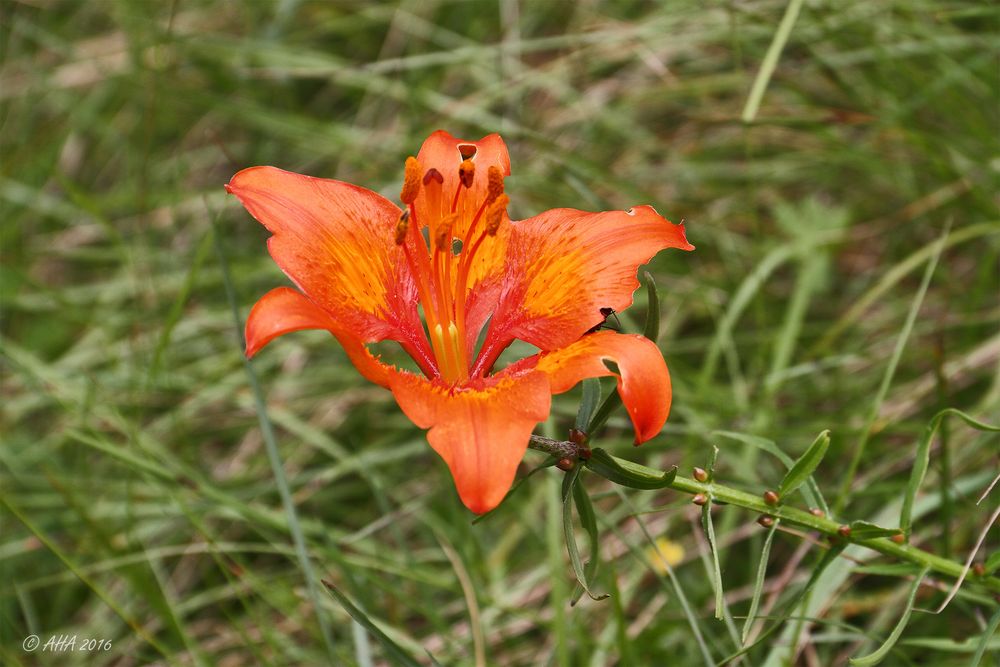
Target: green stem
<point>791,515</point>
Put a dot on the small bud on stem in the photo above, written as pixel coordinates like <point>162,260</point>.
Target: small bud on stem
<point>700,474</point>
<point>565,463</point>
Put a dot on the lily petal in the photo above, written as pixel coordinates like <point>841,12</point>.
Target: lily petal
<point>480,430</point>
<point>564,266</point>
<point>283,310</point>
<point>643,380</point>
<point>336,242</point>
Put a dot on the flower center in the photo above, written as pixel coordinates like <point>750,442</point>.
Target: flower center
<point>441,270</point>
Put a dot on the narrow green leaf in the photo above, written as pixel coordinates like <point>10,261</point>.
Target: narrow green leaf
<point>758,585</point>
<point>627,473</point>
<point>863,530</point>
<point>711,462</point>
<point>706,523</point>
<point>588,405</point>
<point>879,654</point>
<point>922,460</point>
<point>609,405</point>
<point>993,562</point>
<point>394,651</point>
<point>888,569</point>
<point>589,522</point>
<point>651,329</point>
<point>805,465</point>
<point>831,555</point>
<point>984,641</point>
<point>569,481</point>
<point>810,490</point>
<point>770,61</point>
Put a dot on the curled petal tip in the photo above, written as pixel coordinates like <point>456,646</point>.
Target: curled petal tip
<point>228,188</point>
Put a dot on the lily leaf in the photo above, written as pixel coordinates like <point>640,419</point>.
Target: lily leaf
<point>805,465</point>
<point>882,651</point>
<point>569,482</point>
<point>651,329</point>
<point>588,405</point>
<point>758,585</point>
<point>863,530</point>
<point>810,490</point>
<point>706,523</point>
<point>589,522</point>
<point>627,473</point>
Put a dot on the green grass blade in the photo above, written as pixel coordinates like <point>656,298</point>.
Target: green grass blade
<point>393,650</point>
<point>922,461</point>
<point>984,642</point>
<point>274,457</point>
<point>890,372</point>
<point>882,651</point>
<point>770,61</point>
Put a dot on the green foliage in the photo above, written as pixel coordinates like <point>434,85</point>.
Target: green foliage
<point>151,495</point>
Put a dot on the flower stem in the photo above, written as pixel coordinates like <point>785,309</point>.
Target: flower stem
<point>755,503</point>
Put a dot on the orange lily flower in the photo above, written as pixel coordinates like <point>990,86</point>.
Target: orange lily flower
<point>365,269</point>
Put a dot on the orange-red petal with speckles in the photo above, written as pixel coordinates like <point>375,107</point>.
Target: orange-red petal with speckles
<point>563,266</point>
<point>481,430</point>
<point>283,310</point>
<point>643,380</point>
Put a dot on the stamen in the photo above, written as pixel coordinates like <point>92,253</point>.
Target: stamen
<point>443,233</point>
<point>495,215</point>
<point>402,226</point>
<point>494,178</point>
<point>411,181</point>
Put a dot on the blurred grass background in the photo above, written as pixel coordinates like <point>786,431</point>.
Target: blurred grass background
<point>138,502</point>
